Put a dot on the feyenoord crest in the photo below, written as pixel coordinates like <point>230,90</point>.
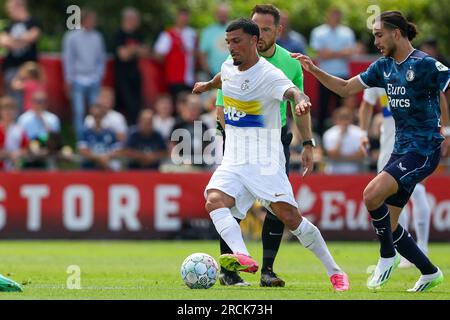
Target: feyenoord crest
<point>245,85</point>
<point>410,75</point>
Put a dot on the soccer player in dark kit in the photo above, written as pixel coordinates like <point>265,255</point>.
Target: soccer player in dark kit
<point>413,81</point>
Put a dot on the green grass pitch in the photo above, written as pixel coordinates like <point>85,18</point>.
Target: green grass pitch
<point>151,270</point>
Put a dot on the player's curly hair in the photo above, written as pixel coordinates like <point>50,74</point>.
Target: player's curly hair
<point>396,20</point>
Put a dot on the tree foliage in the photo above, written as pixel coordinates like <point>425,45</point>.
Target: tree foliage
<point>431,16</point>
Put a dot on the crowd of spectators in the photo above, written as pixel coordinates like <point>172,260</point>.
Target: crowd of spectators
<point>113,127</point>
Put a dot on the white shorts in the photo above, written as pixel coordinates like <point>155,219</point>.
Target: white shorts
<point>246,184</point>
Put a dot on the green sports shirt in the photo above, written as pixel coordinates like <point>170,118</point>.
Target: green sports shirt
<point>290,67</point>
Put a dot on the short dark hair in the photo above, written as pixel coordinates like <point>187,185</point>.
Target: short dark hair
<point>247,25</point>
<point>396,20</point>
<point>184,10</point>
<point>267,9</point>
<point>432,42</point>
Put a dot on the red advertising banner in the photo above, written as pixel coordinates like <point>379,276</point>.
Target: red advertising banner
<point>152,205</point>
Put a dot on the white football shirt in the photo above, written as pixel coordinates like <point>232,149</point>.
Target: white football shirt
<point>387,132</point>
<point>252,113</point>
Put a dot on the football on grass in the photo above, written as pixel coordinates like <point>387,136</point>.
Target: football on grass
<point>199,271</point>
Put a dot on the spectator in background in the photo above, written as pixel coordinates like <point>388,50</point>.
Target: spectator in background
<point>176,47</point>
<point>430,46</point>
<point>42,129</point>
<point>213,47</point>
<point>13,140</point>
<point>84,60</point>
<point>289,39</point>
<point>209,117</point>
<point>128,48</point>
<point>342,144</point>
<point>181,104</point>
<point>28,80</point>
<point>335,44</point>
<point>112,119</point>
<point>37,122</point>
<point>145,147</point>
<point>189,126</point>
<point>163,121</point>
<point>19,38</point>
<point>99,146</point>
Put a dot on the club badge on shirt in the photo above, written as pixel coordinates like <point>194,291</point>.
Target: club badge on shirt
<point>410,75</point>
<point>245,85</point>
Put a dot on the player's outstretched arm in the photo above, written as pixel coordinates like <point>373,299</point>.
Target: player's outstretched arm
<point>302,117</point>
<point>214,83</point>
<point>301,100</point>
<point>303,124</point>
<point>342,87</point>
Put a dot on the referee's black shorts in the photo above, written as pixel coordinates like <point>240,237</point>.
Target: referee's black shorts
<point>286,139</point>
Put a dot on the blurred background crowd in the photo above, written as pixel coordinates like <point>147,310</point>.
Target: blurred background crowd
<point>113,127</point>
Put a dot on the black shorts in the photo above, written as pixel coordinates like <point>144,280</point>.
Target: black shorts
<point>408,170</point>
<point>286,139</point>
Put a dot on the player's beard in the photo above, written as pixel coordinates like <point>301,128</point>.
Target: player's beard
<point>389,50</point>
<point>236,62</point>
<point>265,46</point>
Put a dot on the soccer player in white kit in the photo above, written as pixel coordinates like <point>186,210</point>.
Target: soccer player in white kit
<point>421,211</point>
<point>253,166</point>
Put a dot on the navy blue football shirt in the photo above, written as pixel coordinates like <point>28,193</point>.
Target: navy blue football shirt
<point>412,87</point>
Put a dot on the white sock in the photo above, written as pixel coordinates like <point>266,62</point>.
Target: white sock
<point>384,263</point>
<point>311,238</point>
<point>229,229</point>
<point>421,214</point>
<point>428,277</point>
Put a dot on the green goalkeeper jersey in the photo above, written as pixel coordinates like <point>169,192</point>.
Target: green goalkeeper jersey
<point>290,67</point>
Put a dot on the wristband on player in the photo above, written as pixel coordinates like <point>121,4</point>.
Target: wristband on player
<point>365,133</point>
<point>310,142</point>
<point>446,131</point>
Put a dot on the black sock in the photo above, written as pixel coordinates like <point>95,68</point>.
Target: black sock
<point>408,248</point>
<point>224,248</point>
<point>382,224</point>
<point>272,232</point>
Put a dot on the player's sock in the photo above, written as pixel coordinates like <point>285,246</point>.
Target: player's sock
<point>311,238</point>
<point>421,213</point>
<point>403,219</point>
<point>272,232</point>
<point>408,248</point>
<point>382,224</point>
<point>228,229</point>
<point>224,248</point>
